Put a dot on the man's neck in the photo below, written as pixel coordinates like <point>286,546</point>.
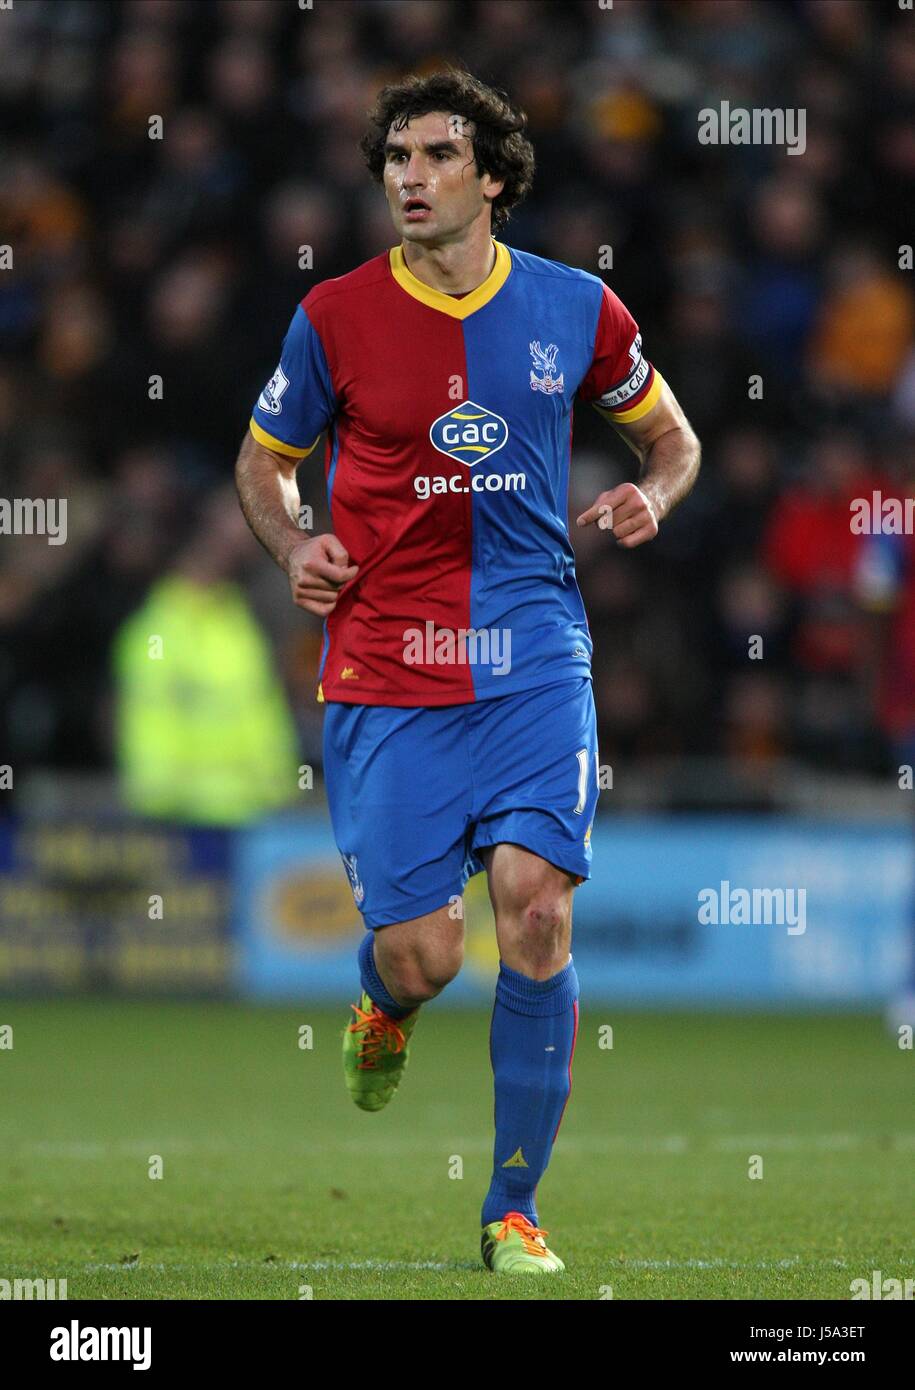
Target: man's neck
<point>454,269</point>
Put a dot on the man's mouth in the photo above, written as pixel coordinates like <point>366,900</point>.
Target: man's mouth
<point>415,209</point>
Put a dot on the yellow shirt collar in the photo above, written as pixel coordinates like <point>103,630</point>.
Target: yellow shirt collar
<point>438,299</point>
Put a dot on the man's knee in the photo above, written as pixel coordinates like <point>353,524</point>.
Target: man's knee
<point>533,914</point>
<point>541,930</point>
<point>538,900</point>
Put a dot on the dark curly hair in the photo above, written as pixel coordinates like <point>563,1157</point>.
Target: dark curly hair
<point>500,145</point>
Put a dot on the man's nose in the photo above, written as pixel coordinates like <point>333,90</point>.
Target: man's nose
<point>414,172</point>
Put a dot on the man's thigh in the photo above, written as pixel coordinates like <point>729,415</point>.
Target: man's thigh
<point>518,879</point>
<point>399,792</point>
<point>534,760</point>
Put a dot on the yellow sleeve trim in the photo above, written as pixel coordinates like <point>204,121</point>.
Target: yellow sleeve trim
<point>626,417</point>
<point>278,445</point>
<point>320,692</point>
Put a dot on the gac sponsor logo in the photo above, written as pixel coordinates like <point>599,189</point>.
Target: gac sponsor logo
<point>426,487</point>
<point>468,433</point>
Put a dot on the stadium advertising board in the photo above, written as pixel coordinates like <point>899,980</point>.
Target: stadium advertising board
<point>693,911</point>
<point>97,906</point>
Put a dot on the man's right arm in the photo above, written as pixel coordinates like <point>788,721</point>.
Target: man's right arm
<point>269,496</point>
<point>317,567</point>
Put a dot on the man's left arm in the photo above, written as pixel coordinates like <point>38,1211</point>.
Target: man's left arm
<point>668,452</point>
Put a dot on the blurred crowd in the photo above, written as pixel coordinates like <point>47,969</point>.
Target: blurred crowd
<point>137,257</point>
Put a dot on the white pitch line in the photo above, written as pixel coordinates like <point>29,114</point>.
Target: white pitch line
<point>789,1262</point>
<point>788,1142</point>
<point>448,1144</point>
<point>615,1265</point>
<point>160,1268</point>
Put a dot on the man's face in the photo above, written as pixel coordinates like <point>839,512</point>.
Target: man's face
<point>431,180</point>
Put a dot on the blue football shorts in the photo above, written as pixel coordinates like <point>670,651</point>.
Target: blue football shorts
<point>416,793</point>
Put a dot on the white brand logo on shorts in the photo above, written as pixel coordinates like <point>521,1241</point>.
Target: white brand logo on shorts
<point>352,873</point>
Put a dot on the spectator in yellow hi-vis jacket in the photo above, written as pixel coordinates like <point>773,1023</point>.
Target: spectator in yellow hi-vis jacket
<point>204,732</point>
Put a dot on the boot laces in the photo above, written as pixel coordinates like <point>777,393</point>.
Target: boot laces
<point>378,1032</point>
<point>532,1236</point>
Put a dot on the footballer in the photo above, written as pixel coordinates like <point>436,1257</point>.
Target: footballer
<point>460,732</point>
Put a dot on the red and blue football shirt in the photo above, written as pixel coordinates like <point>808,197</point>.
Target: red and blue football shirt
<point>449,425</point>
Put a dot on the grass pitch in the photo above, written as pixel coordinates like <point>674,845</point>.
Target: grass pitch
<point>273,1183</point>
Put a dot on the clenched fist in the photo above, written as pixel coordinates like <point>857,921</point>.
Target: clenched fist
<point>317,571</point>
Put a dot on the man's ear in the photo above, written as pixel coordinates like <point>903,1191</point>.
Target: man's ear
<point>492,187</point>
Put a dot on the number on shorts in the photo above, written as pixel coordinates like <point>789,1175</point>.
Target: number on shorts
<point>583,760</point>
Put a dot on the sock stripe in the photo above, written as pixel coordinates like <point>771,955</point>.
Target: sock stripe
<point>571,1060</point>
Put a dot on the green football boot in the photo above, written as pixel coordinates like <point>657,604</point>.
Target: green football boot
<point>515,1246</point>
<point>375,1053</point>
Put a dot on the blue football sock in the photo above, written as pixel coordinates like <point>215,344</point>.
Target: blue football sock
<point>534,1026</point>
<point>372,982</point>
